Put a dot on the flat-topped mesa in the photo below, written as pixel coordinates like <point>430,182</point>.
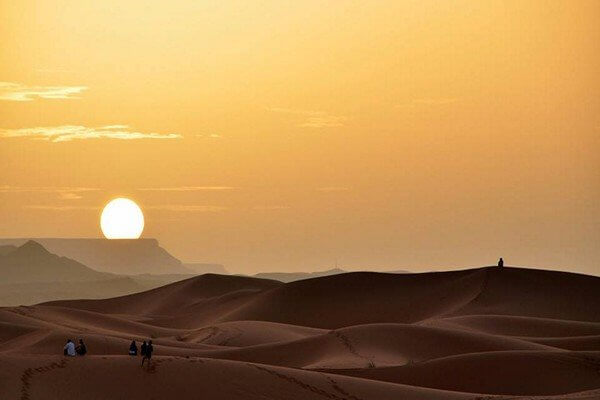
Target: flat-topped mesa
<point>124,256</point>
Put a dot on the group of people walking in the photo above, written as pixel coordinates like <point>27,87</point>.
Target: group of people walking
<point>146,349</point>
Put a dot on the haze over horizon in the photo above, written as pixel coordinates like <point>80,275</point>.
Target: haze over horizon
<point>283,136</point>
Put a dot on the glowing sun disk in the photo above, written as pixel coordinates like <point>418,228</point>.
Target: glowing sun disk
<point>122,219</point>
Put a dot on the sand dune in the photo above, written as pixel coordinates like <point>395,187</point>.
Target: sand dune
<point>520,326</point>
<point>537,293</point>
<point>62,378</point>
<point>472,334</point>
<point>505,372</point>
<point>173,299</point>
<point>250,333</point>
<point>370,346</point>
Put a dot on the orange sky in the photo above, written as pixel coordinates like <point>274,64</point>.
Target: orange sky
<point>280,135</point>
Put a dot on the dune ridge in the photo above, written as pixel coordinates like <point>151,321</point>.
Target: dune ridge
<point>481,333</point>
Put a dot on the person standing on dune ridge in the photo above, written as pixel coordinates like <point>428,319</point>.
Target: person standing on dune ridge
<point>501,262</point>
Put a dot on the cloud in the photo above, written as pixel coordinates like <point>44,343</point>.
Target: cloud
<point>66,133</point>
<point>54,70</point>
<point>62,208</point>
<point>166,207</point>
<point>295,111</point>
<point>430,101</point>
<point>313,119</point>
<point>65,193</point>
<point>270,208</point>
<point>323,122</point>
<point>70,196</point>
<point>210,136</point>
<point>435,102</point>
<point>333,189</point>
<point>185,207</point>
<point>187,188</point>
<point>18,92</point>
<point>19,189</point>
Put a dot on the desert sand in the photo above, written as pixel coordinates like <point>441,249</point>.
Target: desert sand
<point>482,333</point>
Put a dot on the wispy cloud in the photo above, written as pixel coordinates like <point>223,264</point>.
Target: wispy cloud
<point>333,189</point>
<point>65,193</point>
<point>54,70</point>
<point>313,119</point>
<point>436,101</point>
<point>66,133</point>
<point>295,111</point>
<point>270,208</point>
<point>209,135</point>
<point>61,208</point>
<point>18,92</point>
<point>429,101</point>
<point>323,122</point>
<point>186,207</point>
<point>187,188</point>
<point>70,196</point>
<point>165,207</point>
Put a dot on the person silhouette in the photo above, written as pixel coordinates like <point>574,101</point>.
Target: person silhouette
<point>81,350</point>
<point>143,349</point>
<point>133,350</point>
<point>501,262</point>
<point>69,349</point>
<point>147,355</point>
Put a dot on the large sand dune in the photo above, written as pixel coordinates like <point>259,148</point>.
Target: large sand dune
<point>474,334</point>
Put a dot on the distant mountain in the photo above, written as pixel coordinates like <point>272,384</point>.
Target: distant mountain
<point>127,256</point>
<point>31,262</point>
<point>30,274</point>
<point>6,249</point>
<point>202,268</point>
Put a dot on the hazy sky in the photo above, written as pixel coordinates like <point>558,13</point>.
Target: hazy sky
<point>281,135</point>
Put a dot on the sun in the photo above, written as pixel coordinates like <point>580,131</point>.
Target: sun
<point>122,219</point>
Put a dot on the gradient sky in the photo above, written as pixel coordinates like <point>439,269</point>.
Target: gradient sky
<point>283,135</point>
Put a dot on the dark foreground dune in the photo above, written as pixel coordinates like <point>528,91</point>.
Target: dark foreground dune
<point>475,334</point>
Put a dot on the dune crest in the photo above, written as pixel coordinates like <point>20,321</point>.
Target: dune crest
<point>477,333</point>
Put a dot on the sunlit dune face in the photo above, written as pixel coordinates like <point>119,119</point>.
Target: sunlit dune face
<point>122,219</point>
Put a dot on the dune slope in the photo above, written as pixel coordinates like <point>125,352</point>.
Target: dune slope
<point>474,334</point>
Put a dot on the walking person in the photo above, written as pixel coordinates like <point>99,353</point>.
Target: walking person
<point>148,353</point>
<point>143,348</point>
